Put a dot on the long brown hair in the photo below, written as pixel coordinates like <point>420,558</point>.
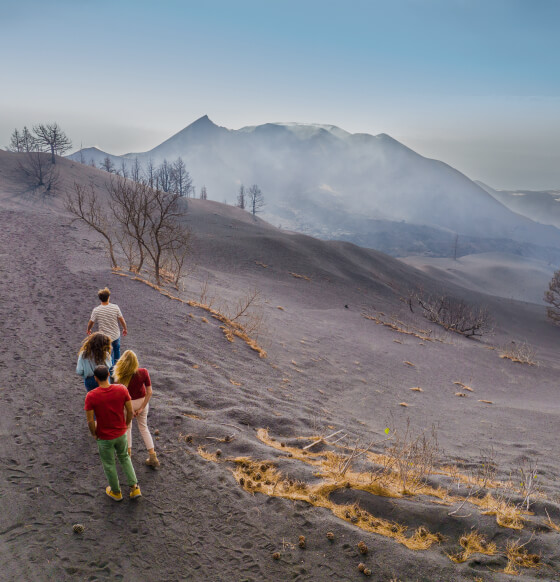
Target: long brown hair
<point>96,347</point>
<point>126,367</point>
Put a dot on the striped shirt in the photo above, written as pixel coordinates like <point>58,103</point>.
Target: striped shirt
<point>106,318</point>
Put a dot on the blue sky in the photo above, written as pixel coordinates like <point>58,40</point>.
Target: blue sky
<point>474,83</point>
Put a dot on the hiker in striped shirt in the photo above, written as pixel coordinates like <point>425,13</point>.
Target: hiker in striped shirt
<point>108,316</point>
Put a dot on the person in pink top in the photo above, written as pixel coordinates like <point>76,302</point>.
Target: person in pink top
<point>139,385</point>
<point>107,403</point>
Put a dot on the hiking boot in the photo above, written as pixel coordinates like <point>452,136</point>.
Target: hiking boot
<point>152,461</point>
<point>112,494</point>
<point>135,492</point>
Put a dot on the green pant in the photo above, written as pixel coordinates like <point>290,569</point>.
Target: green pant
<point>107,451</point>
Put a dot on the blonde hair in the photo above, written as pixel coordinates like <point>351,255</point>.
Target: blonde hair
<point>126,367</point>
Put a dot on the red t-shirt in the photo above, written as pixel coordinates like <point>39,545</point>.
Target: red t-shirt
<point>138,383</point>
<point>108,405</point>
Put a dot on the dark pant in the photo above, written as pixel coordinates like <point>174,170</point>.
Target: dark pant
<point>116,351</point>
<point>90,383</point>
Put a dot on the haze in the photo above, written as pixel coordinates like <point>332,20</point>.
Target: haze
<point>470,83</point>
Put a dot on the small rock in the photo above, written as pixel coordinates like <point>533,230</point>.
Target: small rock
<point>156,432</point>
<point>330,536</point>
<point>78,528</point>
<point>276,556</point>
<point>361,566</point>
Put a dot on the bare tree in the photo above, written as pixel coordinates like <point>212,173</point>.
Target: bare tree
<point>241,197</point>
<point>108,165</point>
<point>151,173</point>
<point>163,176</point>
<point>181,181</point>
<point>84,204</point>
<point>203,193</point>
<point>123,171</point>
<point>22,141</point>
<point>455,246</point>
<point>50,137</point>
<point>165,235</point>
<point>153,220</point>
<point>38,171</point>
<point>256,199</point>
<point>136,170</point>
<point>552,297</point>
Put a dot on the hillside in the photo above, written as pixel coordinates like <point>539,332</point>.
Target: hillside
<point>326,182</point>
<point>541,207</point>
<point>328,368</point>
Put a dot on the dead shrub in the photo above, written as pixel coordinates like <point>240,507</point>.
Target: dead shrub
<point>455,314</point>
<point>521,353</point>
<point>412,457</point>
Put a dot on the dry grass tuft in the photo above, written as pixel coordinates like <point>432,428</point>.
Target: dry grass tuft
<point>207,455</point>
<point>518,556</point>
<point>473,543</point>
<point>552,524</point>
<point>486,401</point>
<point>193,416</point>
<point>400,327</point>
<point>297,276</point>
<point>460,394</point>
<point>417,389</point>
<point>403,404</point>
<point>235,383</point>
<point>507,515</point>
<point>408,363</point>
<point>261,264</point>
<point>464,386</point>
<point>280,308</point>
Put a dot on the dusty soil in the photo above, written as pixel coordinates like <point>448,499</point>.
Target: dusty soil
<point>328,368</point>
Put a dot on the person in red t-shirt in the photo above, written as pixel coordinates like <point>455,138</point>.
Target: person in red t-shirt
<point>139,385</point>
<point>107,404</point>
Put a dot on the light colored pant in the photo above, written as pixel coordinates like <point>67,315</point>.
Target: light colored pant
<point>142,420</point>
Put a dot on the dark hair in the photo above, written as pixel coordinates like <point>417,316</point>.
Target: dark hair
<point>96,347</point>
<point>101,373</point>
<point>103,294</point>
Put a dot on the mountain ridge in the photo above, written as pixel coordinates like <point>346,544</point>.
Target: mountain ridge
<point>300,166</point>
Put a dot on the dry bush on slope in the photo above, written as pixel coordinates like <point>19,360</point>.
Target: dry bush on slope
<point>521,353</point>
<point>452,314</point>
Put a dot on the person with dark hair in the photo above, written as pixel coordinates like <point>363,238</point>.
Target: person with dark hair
<point>108,316</point>
<point>107,403</point>
<point>95,350</point>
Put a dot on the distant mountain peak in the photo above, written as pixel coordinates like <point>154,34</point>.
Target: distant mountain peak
<point>201,121</point>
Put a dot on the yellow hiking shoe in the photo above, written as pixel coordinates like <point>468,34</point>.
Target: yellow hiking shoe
<point>112,494</point>
<point>135,492</point>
